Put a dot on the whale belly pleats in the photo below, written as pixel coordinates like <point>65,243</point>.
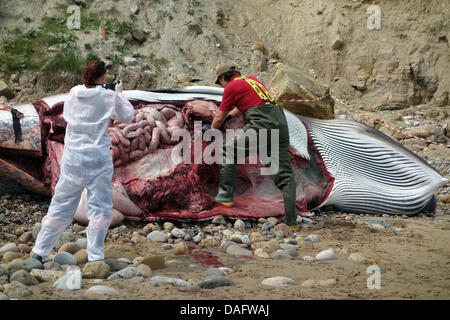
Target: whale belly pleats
<point>373,173</point>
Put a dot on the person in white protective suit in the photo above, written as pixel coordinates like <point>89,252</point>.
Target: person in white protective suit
<point>86,162</point>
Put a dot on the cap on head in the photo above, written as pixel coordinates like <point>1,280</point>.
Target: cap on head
<point>223,69</point>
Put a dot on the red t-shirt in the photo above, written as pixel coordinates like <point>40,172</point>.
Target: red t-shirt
<point>240,94</point>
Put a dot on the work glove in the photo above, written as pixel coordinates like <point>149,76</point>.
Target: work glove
<point>119,87</point>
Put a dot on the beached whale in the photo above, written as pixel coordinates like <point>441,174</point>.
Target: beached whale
<point>337,163</point>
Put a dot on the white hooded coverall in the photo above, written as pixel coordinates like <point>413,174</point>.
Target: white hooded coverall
<point>86,163</point>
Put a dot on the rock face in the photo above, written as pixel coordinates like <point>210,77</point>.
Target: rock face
<point>290,83</point>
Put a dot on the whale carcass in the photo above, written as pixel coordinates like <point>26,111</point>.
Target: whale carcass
<point>340,163</point>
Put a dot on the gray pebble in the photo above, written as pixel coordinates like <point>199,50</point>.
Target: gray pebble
<point>158,280</point>
<point>178,233</point>
<point>9,247</point>
<point>197,238</point>
<point>34,263</point>
<point>157,236</point>
<point>103,290</point>
<point>219,220</point>
<point>312,238</point>
<point>82,243</point>
<point>51,265</point>
<point>115,265</point>
<point>280,255</point>
<point>307,220</point>
<point>127,273</point>
<point>215,272</point>
<point>287,246</point>
<point>215,283</point>
<point>23,277</point>
<point>267,226</point>
<point>63,258</point>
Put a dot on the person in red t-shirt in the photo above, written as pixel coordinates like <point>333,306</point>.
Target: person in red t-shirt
<point>248,96</point>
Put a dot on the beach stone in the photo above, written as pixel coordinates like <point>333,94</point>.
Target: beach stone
<point>82,243</point>
<point>273,221</point>
<point>357,257</point>
<point>285,229</point>
<point>328,254</point>
<point>239,225</point>
<point>237,250</point>
<point>4,271</point>
<point>125,260</point>
<point>70,247</point>
<point>63,258</point>
<point>159,280</point>
<point>219,220</point>
<point>34,263</point>
<point>24,248</point>
<point>256,237</point>
<point>309,258</point>
<point>66,237</point>
<point>15,265</point>
<point>126,273</point>
<point>215,282</point>
<point>327,283</point>
<point>310,283</point>
<point>115,265</point>
<point>144,270</point>
<point>154,262</point>
<point>268,246</point>
<point>47,275</point>
<point>24,277</point>
<point>96,270</point>
<point>179,249</point>
<point>101,290</point>
<point>227,243</point>
<point>178,233</point>
<point>157,236</point>
<point>10,256</point>
<point>278,282</point>
<point>288,246</point>
<point>379,221</point>
<point>292,252</point>
<point>197,238</point>
<point>72,280</point>
<point>245,239</point>
<point>35,231</point>
<point>312,238</point>
<point>377,226</point>
<point>9,247</point>
<point>81,256</point>
<point>214,272</point>
<point>280,255</point>
<point>116,251</point>
<point>26,237</point>
<point>267,226</point>
<point>51,265</point>
<point>261,253</point>
<point>236,238</point>
<point>226,270</point>
<point>168,226</point>
<point>228,233</point>
<point>17,290</point>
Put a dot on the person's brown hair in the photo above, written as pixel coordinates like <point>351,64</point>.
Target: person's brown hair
<point>230,74</point>
<point>93,70</point>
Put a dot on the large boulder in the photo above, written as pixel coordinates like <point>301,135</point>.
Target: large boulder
<point>5,90</point>
<point>290,83</point>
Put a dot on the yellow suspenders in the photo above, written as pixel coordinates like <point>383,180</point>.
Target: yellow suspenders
<point>266,96</point>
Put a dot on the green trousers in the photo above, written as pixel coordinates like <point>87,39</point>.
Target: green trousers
<point>267,117</point>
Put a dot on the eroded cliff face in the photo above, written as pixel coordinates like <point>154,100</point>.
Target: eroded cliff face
<point>383,54</point>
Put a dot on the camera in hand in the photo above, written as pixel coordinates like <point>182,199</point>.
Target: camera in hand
<point>111,85</point>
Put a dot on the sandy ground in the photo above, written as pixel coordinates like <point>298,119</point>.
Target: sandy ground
<point>414,264</point>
